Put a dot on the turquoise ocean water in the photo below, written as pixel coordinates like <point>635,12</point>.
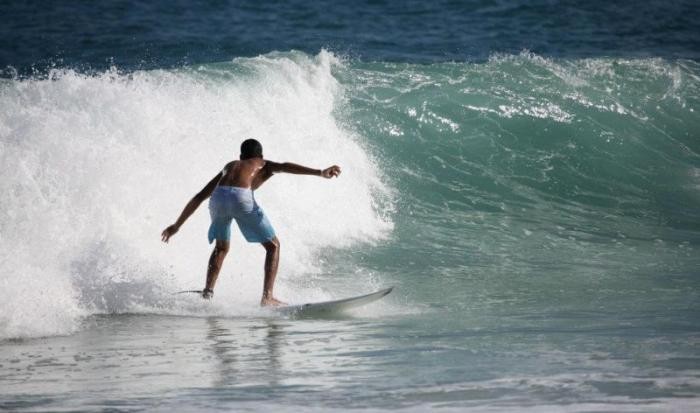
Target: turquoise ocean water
<point>538,213</point>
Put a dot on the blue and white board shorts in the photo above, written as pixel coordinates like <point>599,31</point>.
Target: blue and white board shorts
<point>231,202</point>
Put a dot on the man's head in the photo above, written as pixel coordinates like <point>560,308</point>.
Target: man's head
<point>250,148</point>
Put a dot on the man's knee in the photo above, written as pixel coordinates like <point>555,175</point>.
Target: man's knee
<point>272,245</point>
<point>221,247</point>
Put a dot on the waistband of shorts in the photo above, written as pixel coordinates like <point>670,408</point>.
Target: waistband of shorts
<point>233,189</point>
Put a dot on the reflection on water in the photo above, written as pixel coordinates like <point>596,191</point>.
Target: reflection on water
<point>251,342</point>
<point>279,353</point>
<point>223,348</point>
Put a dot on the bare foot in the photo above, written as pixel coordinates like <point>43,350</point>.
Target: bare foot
<point>271,302</point>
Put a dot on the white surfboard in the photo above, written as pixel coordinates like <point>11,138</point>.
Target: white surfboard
<point>335,306</point>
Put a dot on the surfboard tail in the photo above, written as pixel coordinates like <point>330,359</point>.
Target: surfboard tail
<point>188,291</point>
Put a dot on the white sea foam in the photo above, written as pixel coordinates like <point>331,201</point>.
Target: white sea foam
<point>94,167</point>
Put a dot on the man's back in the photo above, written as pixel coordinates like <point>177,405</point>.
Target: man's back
<point>246,173</point>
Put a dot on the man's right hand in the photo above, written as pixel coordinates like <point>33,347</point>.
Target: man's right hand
<point>330,172</point>
<point>169,232</point>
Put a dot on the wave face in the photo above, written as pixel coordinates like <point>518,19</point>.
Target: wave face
<point>521,186</point>
<point>530,184</point>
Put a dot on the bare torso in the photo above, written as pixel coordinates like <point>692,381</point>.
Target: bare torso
<point>247,173</point>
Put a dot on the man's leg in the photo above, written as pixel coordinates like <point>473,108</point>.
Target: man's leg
<point>272,259</point>
<point>215,262</point>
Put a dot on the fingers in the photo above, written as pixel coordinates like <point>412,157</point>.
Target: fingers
<point>166,234</point>
<point>333,171</point>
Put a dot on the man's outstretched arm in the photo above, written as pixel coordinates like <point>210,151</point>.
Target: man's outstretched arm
<point>191,206</point>
<point>292,168</point>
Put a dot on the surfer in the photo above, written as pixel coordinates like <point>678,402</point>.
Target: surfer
<point>232,198</point>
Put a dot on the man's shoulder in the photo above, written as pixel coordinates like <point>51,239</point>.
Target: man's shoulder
<point>228,166</point>
<point>270,164</point>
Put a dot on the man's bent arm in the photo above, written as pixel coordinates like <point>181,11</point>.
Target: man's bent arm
<point>191,206</point>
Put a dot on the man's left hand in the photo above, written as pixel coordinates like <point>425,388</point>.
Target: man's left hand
<point>330,172</point>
